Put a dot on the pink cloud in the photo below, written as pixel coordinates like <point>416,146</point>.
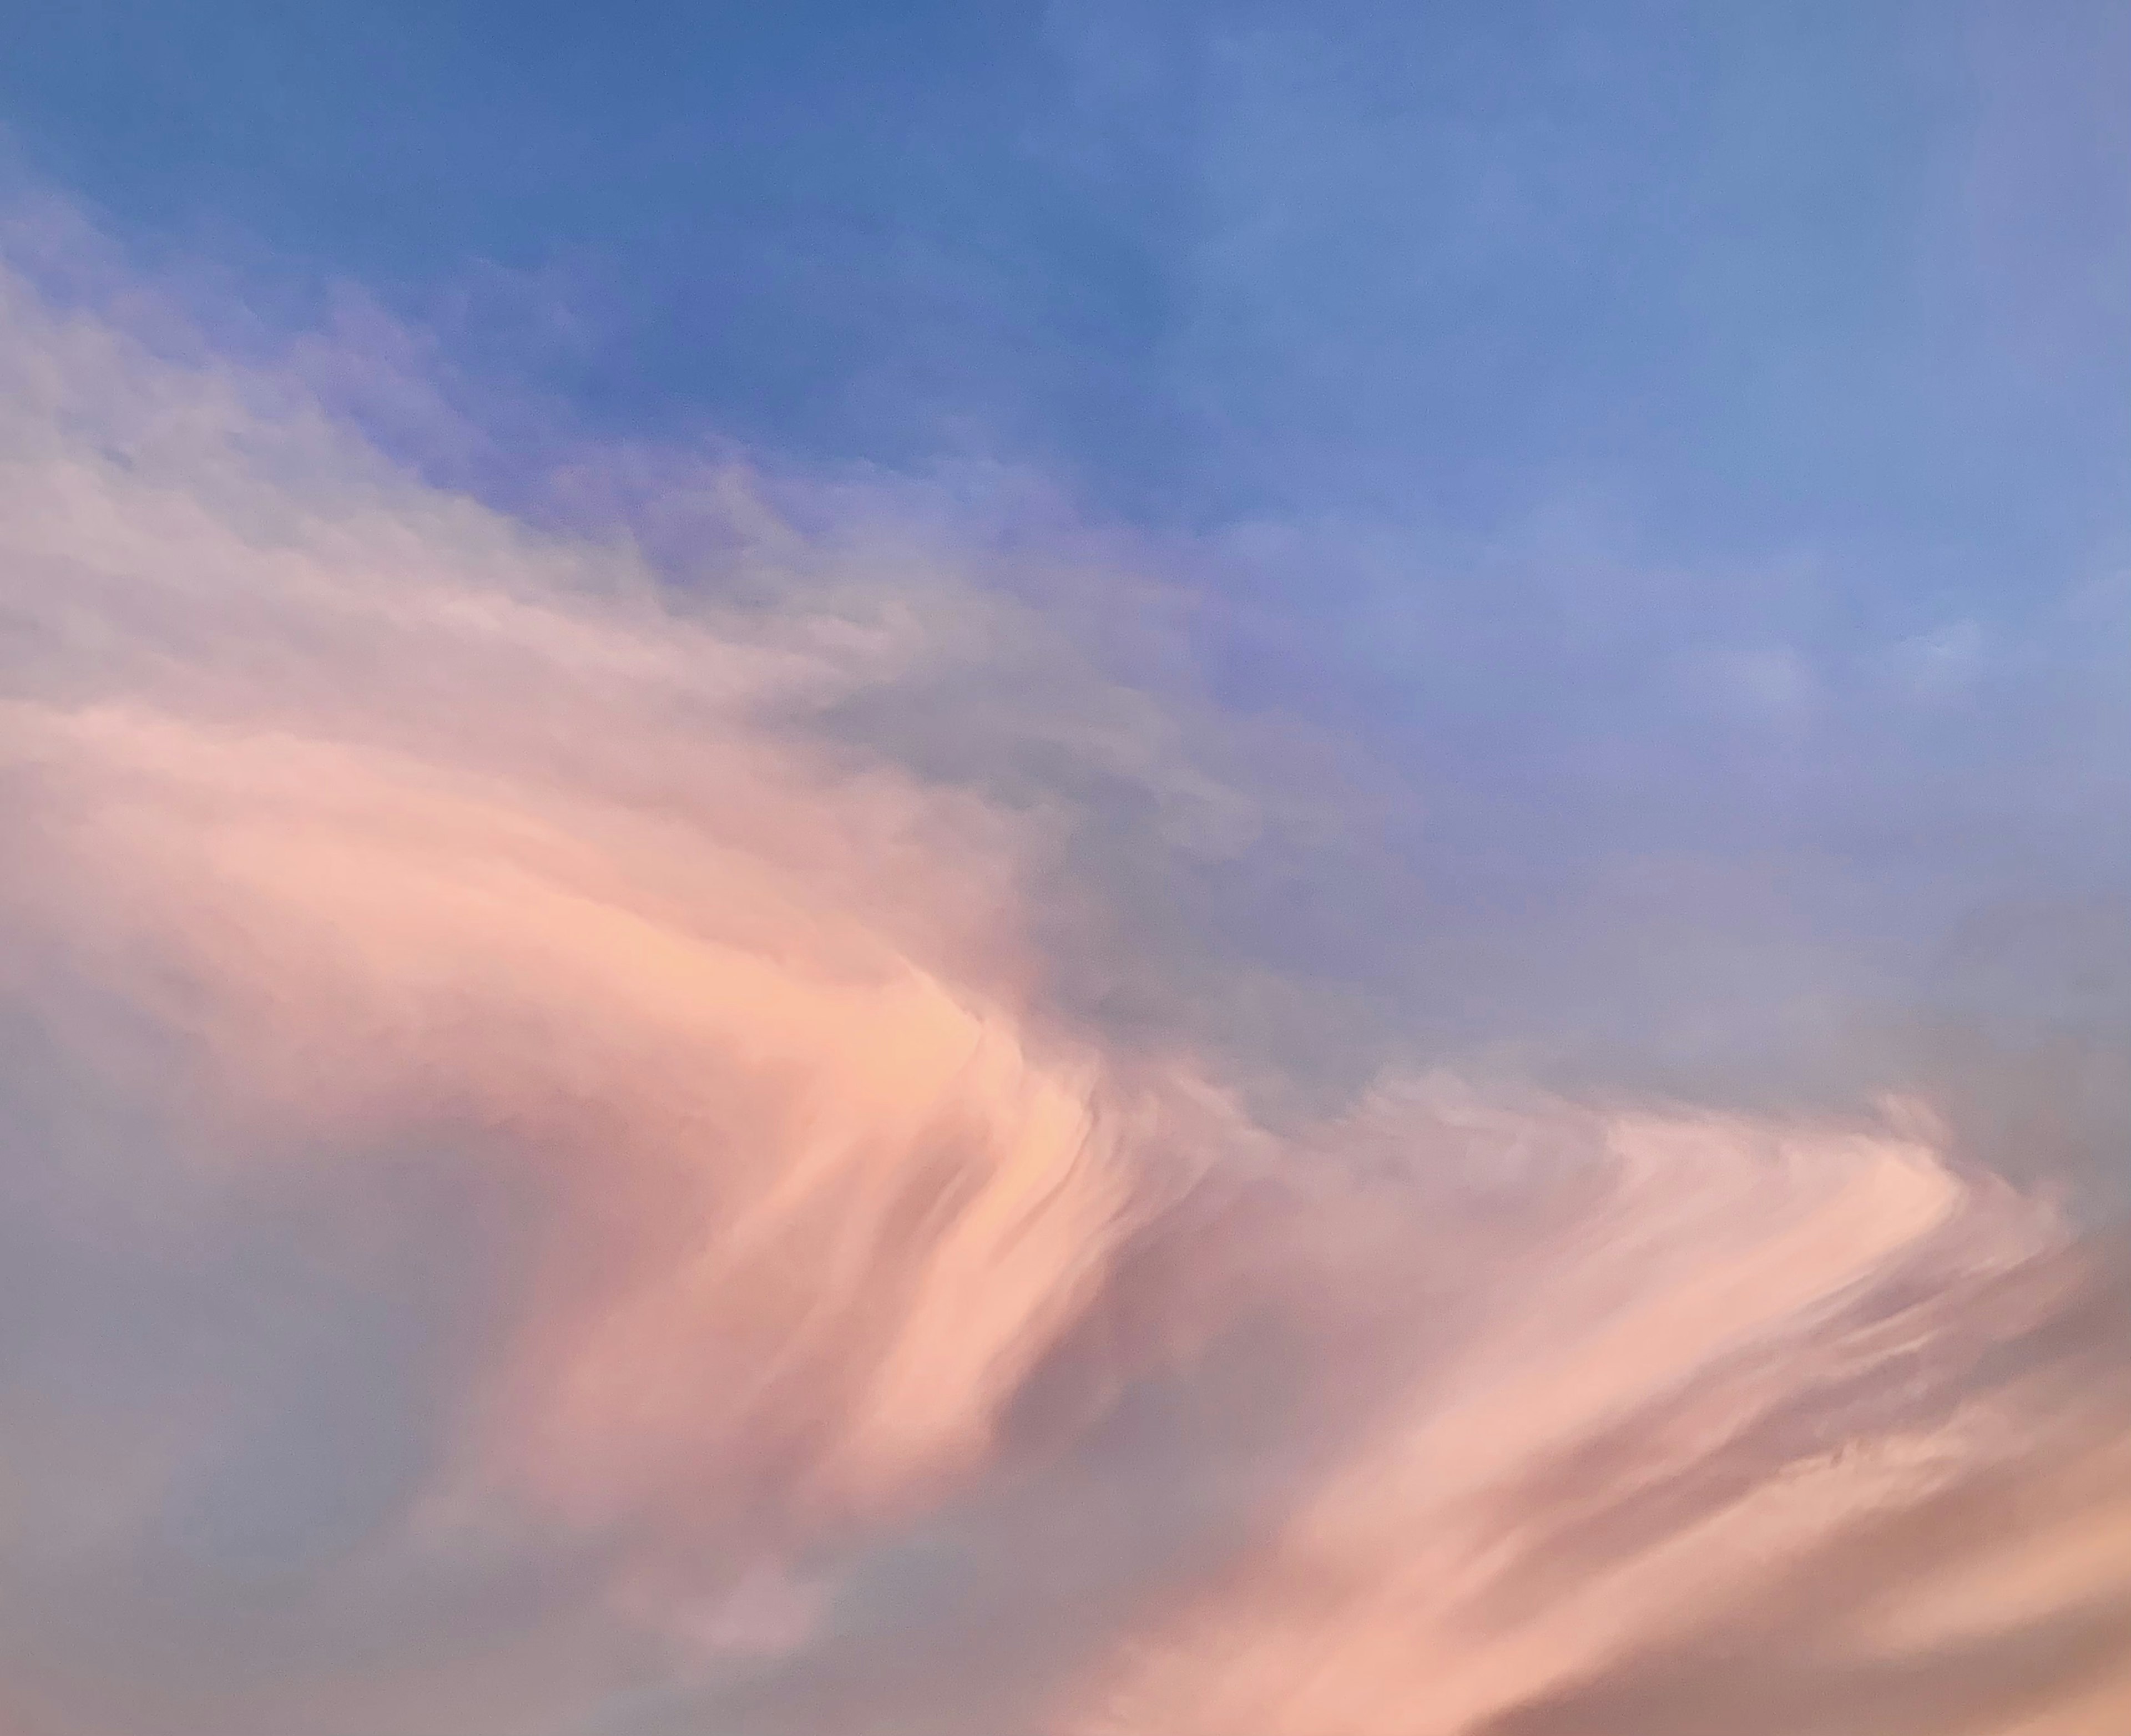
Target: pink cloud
<point>359,841</point>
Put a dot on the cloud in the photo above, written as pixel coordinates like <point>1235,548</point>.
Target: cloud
<point>392,826</point>
<point>1739,1350</point>
<point>593,1149</point>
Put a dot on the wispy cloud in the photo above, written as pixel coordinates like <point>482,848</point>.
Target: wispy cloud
<point>593,1152</point>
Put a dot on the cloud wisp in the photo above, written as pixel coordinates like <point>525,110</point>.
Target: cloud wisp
<point>549,1190</point>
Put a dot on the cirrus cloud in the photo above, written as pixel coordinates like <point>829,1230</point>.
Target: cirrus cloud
<point>557,1183</point>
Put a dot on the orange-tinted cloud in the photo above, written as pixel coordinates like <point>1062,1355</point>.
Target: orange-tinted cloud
<point>544,1186</point>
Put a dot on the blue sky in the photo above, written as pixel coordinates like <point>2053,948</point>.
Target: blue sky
<point>1655,433</point>
<point>1831,283</point>
<point>1814,274</point>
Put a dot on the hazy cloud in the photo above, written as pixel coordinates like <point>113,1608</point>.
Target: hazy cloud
<point>591,1151</point>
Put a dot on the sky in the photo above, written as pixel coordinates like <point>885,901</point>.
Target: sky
<point>1065,870</point>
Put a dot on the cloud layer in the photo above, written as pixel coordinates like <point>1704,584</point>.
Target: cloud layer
<point>566,1174</point>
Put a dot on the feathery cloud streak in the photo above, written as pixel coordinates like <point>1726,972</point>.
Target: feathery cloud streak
<point>549,1191</point>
